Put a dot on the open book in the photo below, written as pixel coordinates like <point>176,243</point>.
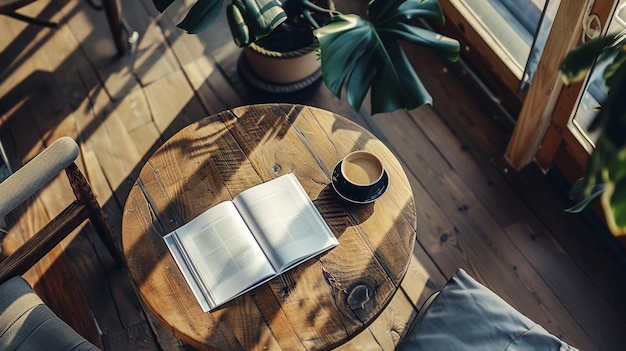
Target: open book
<point>238,245</point>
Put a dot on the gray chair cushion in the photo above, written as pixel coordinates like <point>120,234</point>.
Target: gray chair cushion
<point>465,315</point>
<point>26,323</point>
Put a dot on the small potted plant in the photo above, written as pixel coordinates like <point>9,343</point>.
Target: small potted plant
<point>357,53</point>
<point>605,172</point>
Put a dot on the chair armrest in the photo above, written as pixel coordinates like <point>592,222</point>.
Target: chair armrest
<point>39,171</point>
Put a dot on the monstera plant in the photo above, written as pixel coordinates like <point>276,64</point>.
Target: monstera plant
<point>358,54</point>
<point>605,173</point>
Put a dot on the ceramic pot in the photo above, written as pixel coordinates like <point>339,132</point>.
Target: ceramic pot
<point>280,72</point>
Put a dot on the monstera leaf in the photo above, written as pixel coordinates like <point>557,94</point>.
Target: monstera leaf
<point>249,20</point>
<point>358,54</point>
<point>605,172</point>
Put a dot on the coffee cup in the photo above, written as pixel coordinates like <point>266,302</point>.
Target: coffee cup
<point>360,177</point>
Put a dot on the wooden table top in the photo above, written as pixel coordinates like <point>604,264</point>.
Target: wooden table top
<point>318,305</point>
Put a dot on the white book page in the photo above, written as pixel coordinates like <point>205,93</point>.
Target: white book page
<point>287,224</point>
<point>226,256</point>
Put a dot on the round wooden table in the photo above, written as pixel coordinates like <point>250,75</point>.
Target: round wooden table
<point>318,305</point>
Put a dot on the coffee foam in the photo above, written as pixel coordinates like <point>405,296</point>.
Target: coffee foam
<point>361,168</point>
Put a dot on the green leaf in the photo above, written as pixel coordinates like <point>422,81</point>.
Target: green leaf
<point>615,211</point>
<point>161,5</point>
<point>397,85</point>
<point>354,55</point>
<point>380,9</point>
<point>342,42</point>
<point>577,191</point>
<point>427,9</point>
<point>359,55</point>
<point>579,60</point>
<point>259,17</point>
<point>608,159</point>
<point>611,121</point>
<point>448,47</point>
<point>238,27</point>
<point>201,15</point>
<point>614,196</point>
<point>361,79</point>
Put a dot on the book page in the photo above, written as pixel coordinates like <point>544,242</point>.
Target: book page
<point>287,225</point>
<point>227,259</point>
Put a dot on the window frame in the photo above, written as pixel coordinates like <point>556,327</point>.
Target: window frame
<point>542,112</point>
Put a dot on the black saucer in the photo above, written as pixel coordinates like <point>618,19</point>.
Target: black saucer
<point>382,184</point>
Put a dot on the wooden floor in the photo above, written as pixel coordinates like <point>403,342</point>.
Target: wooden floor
<point>507,229</point>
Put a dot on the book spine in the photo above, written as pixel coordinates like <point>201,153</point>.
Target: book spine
<point>206,293</point>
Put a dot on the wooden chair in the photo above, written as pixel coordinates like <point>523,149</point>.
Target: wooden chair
<point>26,181</point>
<point>111,9</point>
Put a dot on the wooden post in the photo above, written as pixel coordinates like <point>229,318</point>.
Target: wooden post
<point>534,117</point>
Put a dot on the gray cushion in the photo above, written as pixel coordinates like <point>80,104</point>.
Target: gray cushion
<point>26,323</point>
<point>465,315</point>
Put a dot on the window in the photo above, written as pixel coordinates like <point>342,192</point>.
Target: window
<point>595,91</point>
<point>505,40</point>
<point>517,28</point>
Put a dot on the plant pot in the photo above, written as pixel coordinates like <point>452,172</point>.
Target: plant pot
<point>286,60</point>
<point>279,72</point>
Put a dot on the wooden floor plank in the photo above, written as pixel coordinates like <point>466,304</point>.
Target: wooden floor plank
<point>211,86</point>
<point>422,278</point>
<point>549,258</point>
<point>149,62</point>
<point>173,103</point>
<point>593,249</point>
<point>135,337</point>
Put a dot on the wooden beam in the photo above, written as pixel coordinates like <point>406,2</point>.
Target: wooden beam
<point>536,111</point>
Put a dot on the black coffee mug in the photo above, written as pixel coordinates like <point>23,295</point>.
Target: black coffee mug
<point>359,177</point>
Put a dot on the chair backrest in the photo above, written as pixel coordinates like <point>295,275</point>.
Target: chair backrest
<point>38,172</point>
<point>26,323</point>
<point>29,179</point>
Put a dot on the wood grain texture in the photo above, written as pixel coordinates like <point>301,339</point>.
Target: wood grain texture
<point>320,304</point>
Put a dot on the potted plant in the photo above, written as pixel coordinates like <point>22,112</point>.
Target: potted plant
<point>605,172</point>
<point>357,53</point>
<point>286,60</point>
